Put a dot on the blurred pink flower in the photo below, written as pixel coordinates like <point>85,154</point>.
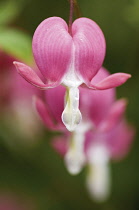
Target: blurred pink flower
<point>16,99</point>
<point>71,59</point>
<point>111,139</point>
<point>102,135</point>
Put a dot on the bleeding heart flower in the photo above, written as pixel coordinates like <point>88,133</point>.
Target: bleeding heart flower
<point>102,135</point>
<point>91,106</point>
<point>51,105</point>
<point>97,141</point>
<point>71,59</point>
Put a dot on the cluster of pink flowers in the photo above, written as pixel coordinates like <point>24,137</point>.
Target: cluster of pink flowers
<point>93,127</point>
<point>102,135</point>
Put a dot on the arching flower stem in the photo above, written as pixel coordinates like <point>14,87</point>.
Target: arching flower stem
<point>73,8</point>
<point>71,14</point>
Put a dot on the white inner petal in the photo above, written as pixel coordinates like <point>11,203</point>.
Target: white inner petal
<point>71,79</point>
<point>98,178</point>
<point>75,157</point>
<point>71,115</point>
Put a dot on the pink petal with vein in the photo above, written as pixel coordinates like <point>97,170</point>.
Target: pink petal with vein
<point>30,76</point>
<point>95,104</point>
<point>52,46</point>
<point>111,81</point>
<point>90,48</point>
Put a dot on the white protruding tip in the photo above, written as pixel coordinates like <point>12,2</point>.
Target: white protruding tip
<point>98,178</point>
<point>71,115</point>
<point>71,120</point>
<point>98,183</point>
<point>74,162</point>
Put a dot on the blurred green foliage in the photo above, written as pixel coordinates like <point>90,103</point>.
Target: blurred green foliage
<point>13,41</point>
<point>9,10</point>
<point>16,43</point>
<point>38,172</point>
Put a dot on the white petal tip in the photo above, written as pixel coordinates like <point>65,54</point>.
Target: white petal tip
<point>97,192</point>
<point>71,115</point>
<point>71,121</point>
<point>73,163</point>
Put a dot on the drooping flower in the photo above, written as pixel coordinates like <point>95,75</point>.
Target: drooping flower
<point>71,59</point>
<point>110,140</point>
<point>102,135</point>
<point>91,106</point>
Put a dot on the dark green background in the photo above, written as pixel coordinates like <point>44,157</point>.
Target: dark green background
<point>38,172</point>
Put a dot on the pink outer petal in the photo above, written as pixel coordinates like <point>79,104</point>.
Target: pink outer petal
<point>115,115</point>
<point>46,116</point>
<point>111,81</point>
<point>54,98</point>
<point>43,112</point>
<point>30,76</point>
<point>20,89</point>
<point>119,140</point>
<point>90,48</point>
<point>95,104</point>
<point>52,46</point>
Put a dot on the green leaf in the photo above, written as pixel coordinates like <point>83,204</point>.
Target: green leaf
<point>9,10</point>
<point>16,43</point>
